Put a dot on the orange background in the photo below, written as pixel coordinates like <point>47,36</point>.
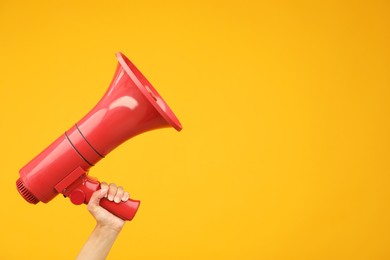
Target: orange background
<point>285,108</point>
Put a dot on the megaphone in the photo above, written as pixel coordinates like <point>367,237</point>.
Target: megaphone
<point>129,107</point>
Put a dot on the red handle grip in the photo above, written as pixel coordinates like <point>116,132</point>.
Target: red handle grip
<point>126,210</point>
<point>81,192</point>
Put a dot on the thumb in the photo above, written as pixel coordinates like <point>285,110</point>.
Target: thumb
<point>96,197</point>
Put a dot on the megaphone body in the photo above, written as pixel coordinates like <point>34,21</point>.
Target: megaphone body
<point>130,107</point>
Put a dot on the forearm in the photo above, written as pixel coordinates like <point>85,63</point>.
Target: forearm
<point>99,243</point>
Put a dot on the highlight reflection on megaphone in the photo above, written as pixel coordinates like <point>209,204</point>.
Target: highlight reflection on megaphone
<point>130,107</point>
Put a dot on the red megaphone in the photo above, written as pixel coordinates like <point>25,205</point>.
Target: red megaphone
<point>130,107</point>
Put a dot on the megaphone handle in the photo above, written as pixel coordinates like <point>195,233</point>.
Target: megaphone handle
<point>83,191</point>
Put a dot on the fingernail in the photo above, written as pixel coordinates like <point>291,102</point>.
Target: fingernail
<point>110,197</point>
<point>117,200</point>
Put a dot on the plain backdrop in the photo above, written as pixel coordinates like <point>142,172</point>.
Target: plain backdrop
<point>285,106</point>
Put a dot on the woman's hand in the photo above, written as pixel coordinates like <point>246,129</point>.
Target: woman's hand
<point>103,217</point>
<point>108,226</point>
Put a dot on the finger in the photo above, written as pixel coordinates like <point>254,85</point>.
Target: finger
<point>104,185</point>
<point>126,196</point>
<point>111,191</point>
<point>119,194</point>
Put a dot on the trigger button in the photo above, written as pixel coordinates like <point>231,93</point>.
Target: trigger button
<point>93,179</point>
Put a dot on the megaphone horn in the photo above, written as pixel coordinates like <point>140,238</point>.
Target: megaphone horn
<point>129,107</point>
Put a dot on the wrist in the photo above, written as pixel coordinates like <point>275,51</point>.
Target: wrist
<point>99,242</point>
<point>114,229</point>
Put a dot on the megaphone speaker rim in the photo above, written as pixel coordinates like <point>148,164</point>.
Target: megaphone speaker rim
<point>149,91</point>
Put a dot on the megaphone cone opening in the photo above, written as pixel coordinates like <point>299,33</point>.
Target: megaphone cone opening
<point>149,91</point>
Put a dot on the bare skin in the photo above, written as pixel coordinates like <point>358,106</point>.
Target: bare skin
<point>108,226</point>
